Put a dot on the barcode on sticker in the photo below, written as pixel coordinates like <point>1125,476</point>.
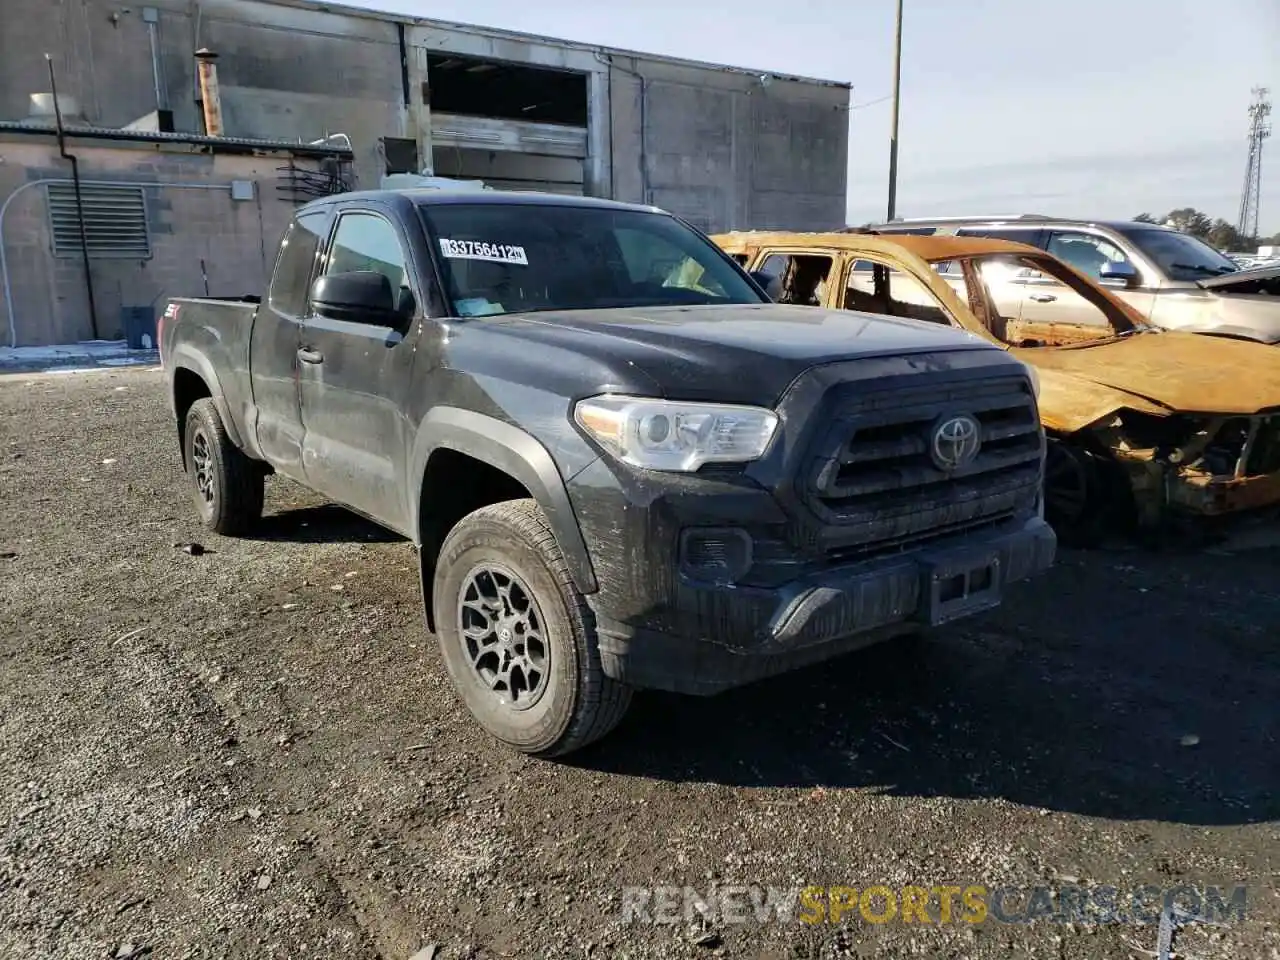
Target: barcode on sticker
<point>475,250</point>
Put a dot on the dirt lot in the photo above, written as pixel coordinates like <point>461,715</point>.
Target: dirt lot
<point>254,752</point>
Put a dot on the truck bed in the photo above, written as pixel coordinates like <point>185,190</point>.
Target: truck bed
<point>220,325</point>
<point>211,338</point>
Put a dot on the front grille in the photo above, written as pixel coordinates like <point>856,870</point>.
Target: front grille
<point>872,475</point>
<point>861,551</point>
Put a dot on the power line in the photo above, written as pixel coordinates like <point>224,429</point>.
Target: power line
<point>872,103</point>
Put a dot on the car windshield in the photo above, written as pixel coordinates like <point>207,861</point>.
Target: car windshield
<point>519,258</point>
<point>1178,255</point>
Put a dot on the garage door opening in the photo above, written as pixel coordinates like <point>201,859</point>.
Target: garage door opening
<point>506,91</point>
<point>513,126</point>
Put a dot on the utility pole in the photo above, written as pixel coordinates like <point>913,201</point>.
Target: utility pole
<point>893,135</point>
<point>1251,195</point>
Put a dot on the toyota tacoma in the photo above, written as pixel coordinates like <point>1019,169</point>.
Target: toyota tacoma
<point>622,465</point>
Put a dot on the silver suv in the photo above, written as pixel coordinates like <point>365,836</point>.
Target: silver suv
<point>1172,279</point>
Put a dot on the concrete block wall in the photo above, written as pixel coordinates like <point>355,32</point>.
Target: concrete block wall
<point>285,73</point>
<point>726,150</point>
<point>236,240</point>
<point>721,148</point>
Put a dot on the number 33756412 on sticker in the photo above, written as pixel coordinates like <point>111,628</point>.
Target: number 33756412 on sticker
<point>480,250</point>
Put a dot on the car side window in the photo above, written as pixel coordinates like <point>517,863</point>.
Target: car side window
<point>799,279</point>
<point>291,280</point>
<point>368,242</point>
<point>1084,251</point>
<point>884,289</point>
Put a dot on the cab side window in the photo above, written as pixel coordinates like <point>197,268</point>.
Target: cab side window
<point>291,280</point>
<point>1086,252</point>
<point>799,279</point>
<point>883,289</point>
<point>368,242</point>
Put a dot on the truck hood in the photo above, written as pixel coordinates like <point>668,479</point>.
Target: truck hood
<point>1182,372</point>
<point>748,352</point>
<point>1224,283</point>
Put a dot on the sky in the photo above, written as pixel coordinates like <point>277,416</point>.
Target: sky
<point>1084,108</point>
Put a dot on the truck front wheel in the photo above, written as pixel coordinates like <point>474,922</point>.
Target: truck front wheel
<point>227,486</point>
<point>516,635</point>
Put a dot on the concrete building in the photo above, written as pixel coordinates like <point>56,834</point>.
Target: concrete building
<point>164,215</point>
<point>724,147</point>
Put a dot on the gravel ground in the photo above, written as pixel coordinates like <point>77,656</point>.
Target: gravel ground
<point>255,752</point>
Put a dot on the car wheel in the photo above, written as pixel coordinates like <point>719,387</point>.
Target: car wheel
<point>227,486</point>
<point>517,636</point>
<point>1078,494</point>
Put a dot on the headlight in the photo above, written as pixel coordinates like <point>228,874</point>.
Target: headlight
<point>666,435</point>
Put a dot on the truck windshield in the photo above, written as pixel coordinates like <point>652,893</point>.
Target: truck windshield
<point>519,258</point>
<point>1178,255</point>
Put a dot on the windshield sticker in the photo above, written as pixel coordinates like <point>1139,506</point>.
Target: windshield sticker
<point>475,250</point>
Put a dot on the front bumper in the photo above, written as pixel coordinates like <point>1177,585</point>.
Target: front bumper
<point>708,638</point>
<point>1219,496</point>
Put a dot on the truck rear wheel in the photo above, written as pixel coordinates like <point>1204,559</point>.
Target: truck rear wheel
<point>517,637</point>
<point>227,486</point>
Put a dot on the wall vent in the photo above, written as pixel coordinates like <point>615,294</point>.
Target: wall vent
<point>115,220</point>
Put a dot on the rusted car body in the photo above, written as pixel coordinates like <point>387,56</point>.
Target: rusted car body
<point>1174,280</point>
<point>1145,425</point>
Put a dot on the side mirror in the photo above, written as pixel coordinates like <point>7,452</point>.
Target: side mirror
<point>362,296</point>
<point>768,283</point>
<point>1121,274</point>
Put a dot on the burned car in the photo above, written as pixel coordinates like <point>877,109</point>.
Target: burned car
<point>1172,279</point>
<point>1146,426</point>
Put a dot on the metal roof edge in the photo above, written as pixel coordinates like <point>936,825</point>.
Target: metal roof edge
<point>28,128</point>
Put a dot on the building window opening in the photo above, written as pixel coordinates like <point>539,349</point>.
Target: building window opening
<point>476,87</point>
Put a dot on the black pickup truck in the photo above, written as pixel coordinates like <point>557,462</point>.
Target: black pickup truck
<point>622,466</point>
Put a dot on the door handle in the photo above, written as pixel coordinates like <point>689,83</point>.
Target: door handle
<point>1043,297</point>
<point>307,355</point>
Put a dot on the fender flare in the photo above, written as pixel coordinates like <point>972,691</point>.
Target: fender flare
<point>517,454</point>
<point>188,358</point>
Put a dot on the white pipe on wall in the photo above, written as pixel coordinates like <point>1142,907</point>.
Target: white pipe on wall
<point>21,188</point>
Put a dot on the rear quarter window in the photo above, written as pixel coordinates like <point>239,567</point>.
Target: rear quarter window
<point>295,263</point>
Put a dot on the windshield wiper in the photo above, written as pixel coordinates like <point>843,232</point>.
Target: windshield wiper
<point>1212,271</point>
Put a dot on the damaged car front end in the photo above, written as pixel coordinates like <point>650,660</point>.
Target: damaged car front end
<point>1194,465</point>
<point>1145,427</point>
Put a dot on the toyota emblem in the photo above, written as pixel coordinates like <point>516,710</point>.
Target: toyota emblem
<point>956,441</point>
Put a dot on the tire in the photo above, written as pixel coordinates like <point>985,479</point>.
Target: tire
<point>548,699</point>
<point>226,485</point>
<point>1083,499</point>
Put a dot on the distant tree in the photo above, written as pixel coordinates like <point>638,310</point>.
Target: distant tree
<point>1227,238</point>
<point>1190,220</point>
<point>1217,232</point>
